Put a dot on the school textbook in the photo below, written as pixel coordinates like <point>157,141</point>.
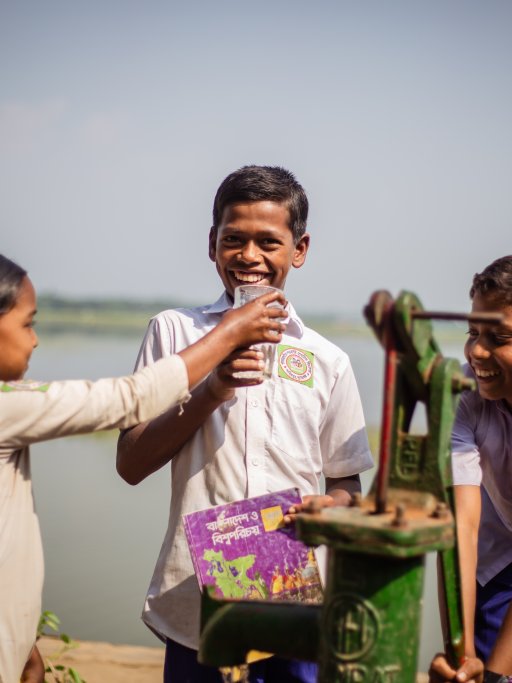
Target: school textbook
<point>245,551</point>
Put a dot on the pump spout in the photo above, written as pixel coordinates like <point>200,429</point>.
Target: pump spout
<point>230,629</point>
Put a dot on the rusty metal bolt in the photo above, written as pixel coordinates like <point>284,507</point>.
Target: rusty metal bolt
<point>441,512</point>
<point>399,518</point>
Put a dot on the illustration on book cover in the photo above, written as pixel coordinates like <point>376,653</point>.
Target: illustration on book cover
<point>245,550</point>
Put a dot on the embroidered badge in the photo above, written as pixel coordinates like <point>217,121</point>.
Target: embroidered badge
<point>24,385</point>
<point>296,364</point>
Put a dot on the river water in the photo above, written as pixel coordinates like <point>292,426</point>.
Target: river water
<point>101,536</point>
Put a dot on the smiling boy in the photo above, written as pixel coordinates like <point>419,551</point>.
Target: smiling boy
<point>240,438</point>
<point>482,474</point>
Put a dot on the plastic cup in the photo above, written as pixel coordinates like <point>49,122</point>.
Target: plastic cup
<point>244,294</point>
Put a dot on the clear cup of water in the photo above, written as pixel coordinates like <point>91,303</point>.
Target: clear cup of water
<point>244,294</point>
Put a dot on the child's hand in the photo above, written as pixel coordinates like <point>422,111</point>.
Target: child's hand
<point>221,382</point>
<point>258,321</point>
<point>309,504</point>
<point>471,671</point>
<point>34,668</point>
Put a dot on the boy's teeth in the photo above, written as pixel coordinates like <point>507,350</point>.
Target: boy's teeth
<point>486,373</point>
<point>249,277</point>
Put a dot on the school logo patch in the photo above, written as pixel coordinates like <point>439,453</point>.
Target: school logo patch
<point>296,364</point>
<point>24,385</point>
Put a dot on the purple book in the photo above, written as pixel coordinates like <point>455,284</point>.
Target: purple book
<point>246,552</point>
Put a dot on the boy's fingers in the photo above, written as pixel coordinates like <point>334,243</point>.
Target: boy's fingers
<point>440,670</point>
<point>471,670</point>
<point>271,297</point>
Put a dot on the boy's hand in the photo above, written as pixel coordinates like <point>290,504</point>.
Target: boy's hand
<point>471,671</point>
<point>256,322</point>
<point>221,382</point>
<point>309,504</point>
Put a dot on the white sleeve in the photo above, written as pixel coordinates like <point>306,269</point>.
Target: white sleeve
<point>36,412</point>
<point>343,438</point>
<point>159,342</point>
<point>465,454</point>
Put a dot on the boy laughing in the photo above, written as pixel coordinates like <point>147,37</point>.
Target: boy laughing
<point>482,474</point>
<point>240,438</point>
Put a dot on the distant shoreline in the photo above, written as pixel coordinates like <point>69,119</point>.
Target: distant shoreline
<point>111,317</point>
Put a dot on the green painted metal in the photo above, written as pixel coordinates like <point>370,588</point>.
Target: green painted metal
<point>367,630</point>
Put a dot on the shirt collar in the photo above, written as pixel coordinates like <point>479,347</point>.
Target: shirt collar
<point>293,324</point>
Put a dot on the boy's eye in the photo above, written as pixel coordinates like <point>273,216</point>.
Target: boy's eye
<point>231,239</point>
<point>471,332</point>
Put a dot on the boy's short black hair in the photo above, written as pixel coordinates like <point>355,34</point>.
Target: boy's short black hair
<point>264,183</point>
<point>11,277</point>
<point>495,280</point>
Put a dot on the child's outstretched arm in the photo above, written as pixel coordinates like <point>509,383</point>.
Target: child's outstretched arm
<point>149,446</point>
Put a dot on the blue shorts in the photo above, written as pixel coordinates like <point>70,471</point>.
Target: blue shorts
<point>492,601</point>
<point>181,666</point>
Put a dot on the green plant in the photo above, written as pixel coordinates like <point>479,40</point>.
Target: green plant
<point>55,672</point>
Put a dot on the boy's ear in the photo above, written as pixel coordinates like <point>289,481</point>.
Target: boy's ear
<point>212,243</point>
<point>301,250</point>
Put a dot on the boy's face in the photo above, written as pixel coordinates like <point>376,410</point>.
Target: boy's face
<point>17,336</point>
<point>489,350</point>
<point>253,244</point>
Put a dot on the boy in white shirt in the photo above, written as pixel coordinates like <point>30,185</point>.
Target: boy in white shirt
<point>236,439</point>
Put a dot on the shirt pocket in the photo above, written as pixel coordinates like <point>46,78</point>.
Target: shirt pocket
<point>293,418</point>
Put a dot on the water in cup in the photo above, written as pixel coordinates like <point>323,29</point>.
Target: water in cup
<point>244,294</point>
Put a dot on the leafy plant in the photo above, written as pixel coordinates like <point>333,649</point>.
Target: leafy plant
<point>55,672</point>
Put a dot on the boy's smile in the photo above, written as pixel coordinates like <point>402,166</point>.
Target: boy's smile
<point>254,244</point>
<point>489,349</point>
<point>17,336</point>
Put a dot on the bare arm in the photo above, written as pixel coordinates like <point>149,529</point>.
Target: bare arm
<point>468,507</point>
<point>147,447</point>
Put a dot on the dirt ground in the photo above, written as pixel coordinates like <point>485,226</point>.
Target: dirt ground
<point>106,663</point>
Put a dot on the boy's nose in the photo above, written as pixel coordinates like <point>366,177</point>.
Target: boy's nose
<point>480,350</point>
<point>249,252</point>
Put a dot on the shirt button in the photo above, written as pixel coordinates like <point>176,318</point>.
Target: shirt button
<point>255,403</point>
<point>255,462</point>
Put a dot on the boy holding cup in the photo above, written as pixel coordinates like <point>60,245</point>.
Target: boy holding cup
<point>241,437</point>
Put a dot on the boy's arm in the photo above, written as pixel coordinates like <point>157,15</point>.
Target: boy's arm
<point>149,446</point>
<point>468,507</point>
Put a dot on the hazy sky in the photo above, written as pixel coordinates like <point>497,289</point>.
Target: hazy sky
<point>118,120</point>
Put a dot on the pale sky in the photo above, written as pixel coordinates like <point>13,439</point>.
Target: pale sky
<point>118,120</point>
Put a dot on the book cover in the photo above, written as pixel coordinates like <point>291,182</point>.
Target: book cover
<point>245,550</point>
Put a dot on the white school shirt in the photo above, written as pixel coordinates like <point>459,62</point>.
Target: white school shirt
<point>36,411</point>
<point>482,456</point>
<point>273,436</point>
